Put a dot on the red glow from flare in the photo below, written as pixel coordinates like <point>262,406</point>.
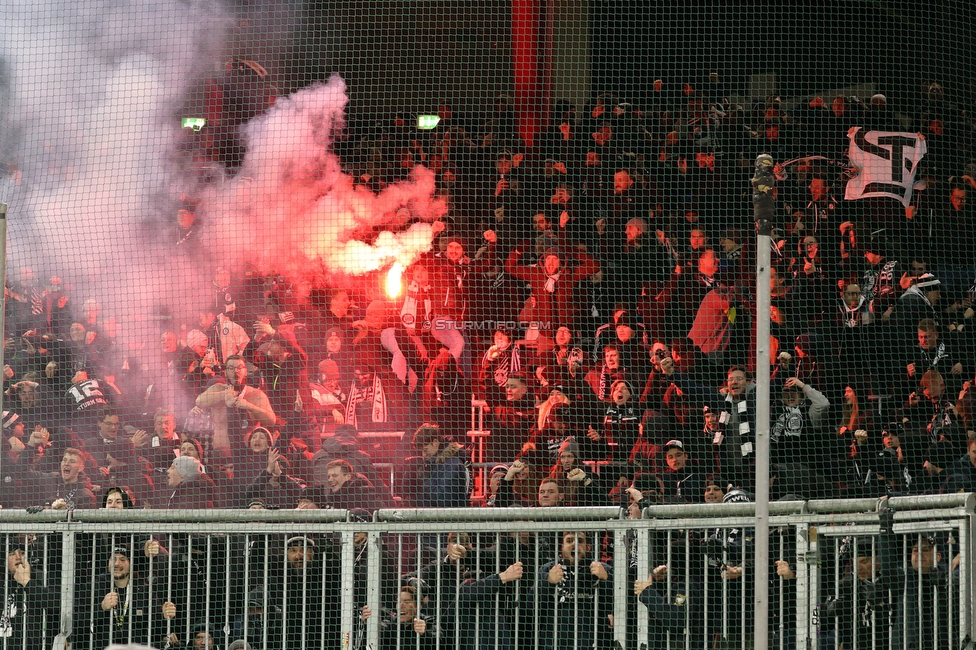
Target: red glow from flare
<point>394,284</point>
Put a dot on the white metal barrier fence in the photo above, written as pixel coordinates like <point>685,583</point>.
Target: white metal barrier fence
<point>490,578</point>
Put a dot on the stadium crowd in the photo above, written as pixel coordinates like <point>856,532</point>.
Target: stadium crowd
<point>594,294</point>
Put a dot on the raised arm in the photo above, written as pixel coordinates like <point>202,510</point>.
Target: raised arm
<point>213,396</point>
<point>258,407</point>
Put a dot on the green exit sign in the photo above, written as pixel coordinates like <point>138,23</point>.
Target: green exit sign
<point>195,123</point>
<point>427,122</point>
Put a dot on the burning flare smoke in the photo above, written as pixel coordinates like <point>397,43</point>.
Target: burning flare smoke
<point>292,204</point>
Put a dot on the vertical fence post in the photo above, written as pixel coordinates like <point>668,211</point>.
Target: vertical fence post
<point>348,581</point>
<point>967,589</point>
<point>643,569</point>
<point>374,588</point>
<point>765,208</point>
<point>67,588</point>
<point>802,571</point>
<point>621,564</point>
<point>3,299</point>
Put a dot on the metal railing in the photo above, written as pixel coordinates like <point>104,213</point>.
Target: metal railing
<point>308,579</point>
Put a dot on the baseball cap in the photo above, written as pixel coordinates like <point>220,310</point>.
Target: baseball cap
<point>928,281</point>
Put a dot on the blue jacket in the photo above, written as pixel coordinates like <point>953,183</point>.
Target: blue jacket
<point>445,481</point>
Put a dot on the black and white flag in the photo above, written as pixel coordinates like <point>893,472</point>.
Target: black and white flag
<point>886,163</point>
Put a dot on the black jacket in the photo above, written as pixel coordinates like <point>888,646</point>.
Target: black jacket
<point>197,493</point>
<point>23,612</point>
<point>358,493</point>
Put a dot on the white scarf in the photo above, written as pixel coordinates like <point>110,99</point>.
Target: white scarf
<point>373,392</point>
<point>408,313</point>
<point>742,409</point>
<point>551,282</point>
<point>940,354</point>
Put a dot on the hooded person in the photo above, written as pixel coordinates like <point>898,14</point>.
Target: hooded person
<point>852,330</point>
<point>641,265</point>
<point>682,482</point>
<point>259,606</point>
<point>941,462</point>
<point>551,426</point>
<point>917,303</point>
<point>519,485</point>
<point>197,363</point>
<point>327,407</point>
<point>18,459</point>
<point>795,433</point>
<point>275,486</point>
<point>251,460</point>
<point>495,476</point>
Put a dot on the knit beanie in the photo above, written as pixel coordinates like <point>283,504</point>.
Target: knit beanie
<point>188,467</point>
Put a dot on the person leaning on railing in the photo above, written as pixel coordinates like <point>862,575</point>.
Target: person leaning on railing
<point>22,615</point>
<point>576,597</point>
<point>121,608</point>
<point>673,612</point>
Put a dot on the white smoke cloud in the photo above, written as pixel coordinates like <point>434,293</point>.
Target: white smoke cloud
<point>91,93</point>
<point>89,97</point>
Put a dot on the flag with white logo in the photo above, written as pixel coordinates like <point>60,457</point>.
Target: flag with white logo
<point>886,163</point>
